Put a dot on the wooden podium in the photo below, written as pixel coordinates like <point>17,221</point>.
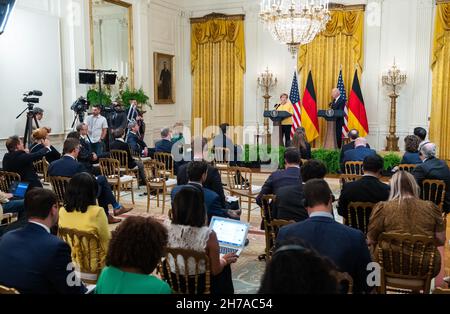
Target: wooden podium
<point>276,117</point>
<point>331,116</point>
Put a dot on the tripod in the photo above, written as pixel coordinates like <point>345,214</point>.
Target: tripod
<point>31,116</point>
<point>78,117</point>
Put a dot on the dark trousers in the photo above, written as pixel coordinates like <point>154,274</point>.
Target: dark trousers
<point>339,125</point>
<point>16,206</point>
<point>97,148</point>
<point>286,131</point>
<point>105,195</point>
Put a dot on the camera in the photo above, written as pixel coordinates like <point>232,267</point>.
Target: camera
<point>80,105</point>
<point>32,100</point>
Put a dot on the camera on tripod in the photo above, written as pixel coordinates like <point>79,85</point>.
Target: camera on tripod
<point>31,100</point>
<point>81,105</point>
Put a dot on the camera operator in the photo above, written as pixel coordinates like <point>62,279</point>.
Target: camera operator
<point>18,160</point>
<point>39,137</point>
<point>97,129</point>
<point>39,113</point>
<point>118,118</point>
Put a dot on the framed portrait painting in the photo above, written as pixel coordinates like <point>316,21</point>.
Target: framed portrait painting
<point>164,78</point>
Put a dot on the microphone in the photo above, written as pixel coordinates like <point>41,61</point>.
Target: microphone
<point>34,93</point>
<point>276,106</point>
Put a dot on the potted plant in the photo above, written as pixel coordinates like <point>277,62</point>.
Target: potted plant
<point>94,96</point>
<point>138,95</point>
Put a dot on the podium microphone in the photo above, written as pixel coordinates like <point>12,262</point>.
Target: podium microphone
<point>276,106</point>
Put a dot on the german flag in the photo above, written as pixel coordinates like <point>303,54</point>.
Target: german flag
<point>357,117</point>
<point>309,111</point>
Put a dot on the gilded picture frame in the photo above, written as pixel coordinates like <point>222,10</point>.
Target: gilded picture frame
<point>164,78</point>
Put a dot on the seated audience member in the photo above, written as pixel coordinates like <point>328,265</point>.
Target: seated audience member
<point>136,144</point>
<point>313,169</point>
<point>68,166</point>
<point>352,135</point>
<point>19,161</point>
<point>197,172</point>
<point>11,206</point>
<point>213,179</point>
<point>136,248</point>
<point>295,269</point>
<point>120,144</point>
<point>360,151</point>
<point>289,202</point>
<point>434,169</point>
<point>222,140</point>
<point>39,136</point>
<point>344,246</point>
<point>367,189</point>
<point>421,133</point>
<point>300,142</point>
<point>31,259</point>
<point>411,155</point>
<point>188,230</point>
<point>405,212</point>
<point>164,145</point>
<point>282,178</point>
<point>81,211</point>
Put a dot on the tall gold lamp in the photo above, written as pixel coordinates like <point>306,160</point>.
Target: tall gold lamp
<point>267,81</point>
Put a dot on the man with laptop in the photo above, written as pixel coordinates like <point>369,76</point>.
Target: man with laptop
<point>13,202</point>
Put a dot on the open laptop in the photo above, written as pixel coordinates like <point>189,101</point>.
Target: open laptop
<point>18,189</point>
<point>230,233</point>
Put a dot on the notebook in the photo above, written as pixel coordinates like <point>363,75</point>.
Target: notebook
<point>230,233</point>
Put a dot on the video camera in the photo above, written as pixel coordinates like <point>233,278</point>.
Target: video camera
<point>81,105</point>
<point>32,100</point>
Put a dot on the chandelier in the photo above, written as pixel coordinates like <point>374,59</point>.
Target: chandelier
<point>295,22</point>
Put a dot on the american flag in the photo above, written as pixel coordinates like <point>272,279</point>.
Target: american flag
<point>294,97</point>
<point>340,86</point>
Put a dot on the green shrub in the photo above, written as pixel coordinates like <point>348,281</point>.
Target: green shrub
<point>329,157</point>
<point>93,96</point>
<point>391,160</point>
<point>138,95</point>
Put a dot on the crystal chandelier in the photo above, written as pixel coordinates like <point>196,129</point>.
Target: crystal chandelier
<point>295,22</point>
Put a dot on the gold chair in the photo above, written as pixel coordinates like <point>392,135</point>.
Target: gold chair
<point>6,290</point>
<point>122,157</point>
<point>137,155</point>
<point>354,167</point>
<point>41,167</point>
<point>221,158</point>
<point>177,279</point>
<point>110,168</point>
<point>87,254</point>
<point>167,160</point>
<point>59,185</point>
<point>346,178</point>
<point>358,214</point>
<point>240,184</point>
<point>434,191</point>
<point>407,262</point>
<point>156,181</point>
<point>6,179</point>
<point>406,167</point>
<point>266,215</point>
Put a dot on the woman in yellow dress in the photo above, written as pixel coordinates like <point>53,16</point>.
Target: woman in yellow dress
<point>286,125</point>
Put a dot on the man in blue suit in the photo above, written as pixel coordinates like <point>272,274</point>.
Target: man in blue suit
<point>165,144</point>
<point>360,151</point>
<point>290,176</point>
<point>136,143</point>
<point>197,173</point>
<point>31,259</point>
<point>338,104</point>
<point>343,245</point>
<point>68,166</point>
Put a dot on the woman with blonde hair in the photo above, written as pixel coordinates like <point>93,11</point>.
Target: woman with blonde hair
<point>286,125</point>
<point>300,141</point>
<point>39,136</point>
<point>405,212</point>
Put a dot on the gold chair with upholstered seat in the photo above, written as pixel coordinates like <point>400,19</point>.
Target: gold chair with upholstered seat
<point>6,179</point>
<point>6,290</point>
<point>157,181</point>
<point>59,185</point>
<point>122,157</point>
<point>358,214</point>
<point>406,167</point>
<point>110,168</point>
<point>222,158</point>
<point>87,254</point>
<point>41,167</point>
<point>354,167</point>
<point>240,184</point>
<point>198,283</point>
<point>434,191</point>
<point>167,160</point>
<point>346,178</point>
<point>407,262</point>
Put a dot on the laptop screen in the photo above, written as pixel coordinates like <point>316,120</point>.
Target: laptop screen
<point>229,231</point>
<point>18,189</point>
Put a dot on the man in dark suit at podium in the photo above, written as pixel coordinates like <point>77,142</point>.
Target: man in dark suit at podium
<point>338,104</point>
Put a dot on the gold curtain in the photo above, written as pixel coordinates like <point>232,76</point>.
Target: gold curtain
<point>218,67</point>
<point>341,44</point>
<point>440,65</point>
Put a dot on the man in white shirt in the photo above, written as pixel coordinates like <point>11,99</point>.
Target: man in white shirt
<point>98,127</point>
